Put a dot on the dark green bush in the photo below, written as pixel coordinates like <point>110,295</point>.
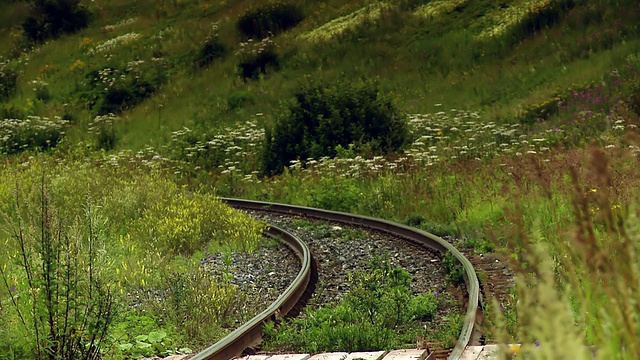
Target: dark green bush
<point>257,57</point>
<point>211,50</point>
<point>52,18</point>
<point>34,132</point>
<point>111,90</point>
<point>238,99</point>
<point>324,116</point>
<point>539,19</point>
<point>8,79</point>
<point>269,20</point>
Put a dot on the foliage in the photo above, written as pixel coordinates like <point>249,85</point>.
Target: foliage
<point>124,254</point>
<point>156,343</point>
<point>41,90</point>
<point>212,49</point>
<point>52,18</point>
<point>238,99</point>
<point>34,132</point>
<point>590,291</point>
<point>257,57</point>
<point>203,304</point>
<point>8,79</point>
<point>324,116</point>
<point>113,90</point>
<point>269,19</point>
<point>376,314</point>
<point>103,128</point>
<point>54,283</point>
<point>184,223</point>
<point>453,269</point>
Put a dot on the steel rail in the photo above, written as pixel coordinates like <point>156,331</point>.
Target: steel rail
<point>251,332</point>
<point>412,234</point>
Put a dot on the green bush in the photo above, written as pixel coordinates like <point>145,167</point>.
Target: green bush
<point>257,57</point>
<point>111,90</point>
<point>184,223</point>
<point>34,132</point>
<point>324,116</point>
<point>8,79</point>
<point>376,314</point>
<point>238,99</point>
<point>269,19</point>
<point>423,307</point>
<point>52,281</point>
<point>52,18</point>
<point>212,49</point>
<point>455,271</point>
<point>537,20</point>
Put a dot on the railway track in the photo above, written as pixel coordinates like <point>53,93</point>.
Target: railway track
<point>301,288</point>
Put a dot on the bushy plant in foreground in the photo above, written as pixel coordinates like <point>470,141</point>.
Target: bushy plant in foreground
<point>324,116</point>
<point>269,19</point>
<point>578,285</point>
<point>54,288</point>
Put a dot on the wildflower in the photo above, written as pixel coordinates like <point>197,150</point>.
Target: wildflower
<point>514,349</point>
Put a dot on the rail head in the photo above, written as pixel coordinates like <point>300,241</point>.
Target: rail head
<point>427,239</point>
<point>249,333</point>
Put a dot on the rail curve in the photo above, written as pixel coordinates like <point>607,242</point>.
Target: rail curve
<point>249,333</point>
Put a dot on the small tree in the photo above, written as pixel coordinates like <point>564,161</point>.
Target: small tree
<point>324,116</point>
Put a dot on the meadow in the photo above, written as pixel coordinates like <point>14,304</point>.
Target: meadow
<point>513,127</point>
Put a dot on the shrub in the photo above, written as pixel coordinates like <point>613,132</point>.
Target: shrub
<point>52,281</point>
<point>34,132</point>
<point>52,18</point>
<point>212,49</point>
<point>374,315</point>
<point>238,99</point>
<point>269,19</point>
<point>257,57</point>
<point>112,90</point>
<point>423,307</point>
<point>41,90</point>
<point>104,131</point>
<point>184,223</point>
<point>8,79</point>
<point>324,116</point>
<point>203,304</point>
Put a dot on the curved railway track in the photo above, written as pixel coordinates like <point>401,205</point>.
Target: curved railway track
<point>301,288</point>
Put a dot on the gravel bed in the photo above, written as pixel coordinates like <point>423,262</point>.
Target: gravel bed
<point>261,275</point>
<point>339,250</point>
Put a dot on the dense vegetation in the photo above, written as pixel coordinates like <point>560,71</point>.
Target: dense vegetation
<point>513,127</point>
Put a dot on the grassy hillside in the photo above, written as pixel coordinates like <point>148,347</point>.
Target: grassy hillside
<point>522,135</point>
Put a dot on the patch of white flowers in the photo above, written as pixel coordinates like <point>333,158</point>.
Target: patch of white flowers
<point>115,42</point>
